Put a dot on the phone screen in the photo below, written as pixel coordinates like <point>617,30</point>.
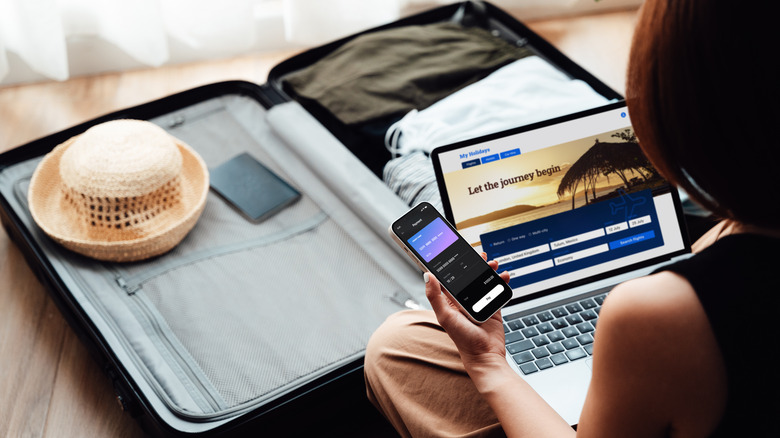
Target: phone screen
<point>457,266</point>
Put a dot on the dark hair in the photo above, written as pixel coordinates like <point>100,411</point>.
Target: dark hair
<point>704,101</point>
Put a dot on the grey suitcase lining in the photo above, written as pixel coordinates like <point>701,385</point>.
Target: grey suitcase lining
<point>241,313</point>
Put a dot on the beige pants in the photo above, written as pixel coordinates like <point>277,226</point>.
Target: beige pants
<point>415,377</point>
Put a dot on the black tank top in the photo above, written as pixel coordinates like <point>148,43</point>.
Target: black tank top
<point>737,280</point>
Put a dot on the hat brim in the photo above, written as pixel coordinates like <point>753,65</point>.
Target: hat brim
<point>49,210</point>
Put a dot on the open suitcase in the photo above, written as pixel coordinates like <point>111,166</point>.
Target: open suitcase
<point>243,327</point>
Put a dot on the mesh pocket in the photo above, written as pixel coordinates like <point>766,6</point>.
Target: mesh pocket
<point>260,321</point>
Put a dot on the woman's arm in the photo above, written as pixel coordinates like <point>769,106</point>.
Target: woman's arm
<point>521,411</point>
<point>657,369</point>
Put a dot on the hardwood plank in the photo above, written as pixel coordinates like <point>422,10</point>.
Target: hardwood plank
<point>83,401</point>
<point>31,338</point>
<point>600,43</point>
<point>31,111</point>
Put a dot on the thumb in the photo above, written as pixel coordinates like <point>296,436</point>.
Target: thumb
<point>439,301</point>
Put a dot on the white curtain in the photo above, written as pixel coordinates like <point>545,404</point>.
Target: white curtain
<point>31,30</point>
<point>55,39</point>
<point>58,39</point>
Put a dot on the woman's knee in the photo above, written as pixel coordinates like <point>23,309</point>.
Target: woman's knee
<point>397,335</point>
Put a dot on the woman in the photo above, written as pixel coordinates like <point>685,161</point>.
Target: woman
<point>680,352</point>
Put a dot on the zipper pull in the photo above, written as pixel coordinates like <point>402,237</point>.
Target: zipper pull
<point>404,299</point>
<point>130,290</point>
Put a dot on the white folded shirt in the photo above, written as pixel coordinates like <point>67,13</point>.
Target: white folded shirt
<point>523,92</point>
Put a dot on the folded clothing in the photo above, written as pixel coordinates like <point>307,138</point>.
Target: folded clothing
<point>411,178</point>
<point>397,70</point>
<point>523,92</point>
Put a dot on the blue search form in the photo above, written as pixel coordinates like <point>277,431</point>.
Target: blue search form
<point>577,239</point>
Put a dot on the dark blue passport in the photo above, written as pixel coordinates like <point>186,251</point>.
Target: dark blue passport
<point>251,188</point>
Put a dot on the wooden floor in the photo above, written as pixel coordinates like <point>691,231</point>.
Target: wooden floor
<point>49,385</point>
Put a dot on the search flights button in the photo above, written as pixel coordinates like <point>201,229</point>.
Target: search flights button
<point>481,304</point>
<point>632,240</point>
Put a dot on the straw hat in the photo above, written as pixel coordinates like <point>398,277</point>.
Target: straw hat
<point>123,190</point>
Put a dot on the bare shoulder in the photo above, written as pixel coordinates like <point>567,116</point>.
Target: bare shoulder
<point>652,311</point>
<point>660,297</point>
<point>657,360</point>
<point>660,318</point>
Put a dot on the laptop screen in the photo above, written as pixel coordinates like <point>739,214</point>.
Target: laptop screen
<point>563,202</point>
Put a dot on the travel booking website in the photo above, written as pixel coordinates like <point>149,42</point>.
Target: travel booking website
<point>554,207</point>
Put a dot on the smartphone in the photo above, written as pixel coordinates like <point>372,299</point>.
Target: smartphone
<point>434,244</point>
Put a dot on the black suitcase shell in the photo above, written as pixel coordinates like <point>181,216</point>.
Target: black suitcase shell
<point>325,401</point>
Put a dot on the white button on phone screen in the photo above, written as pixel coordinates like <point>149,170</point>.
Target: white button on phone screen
<point>488,298</point>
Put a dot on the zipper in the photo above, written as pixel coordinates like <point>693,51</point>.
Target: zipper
<point>205,392</point>
<point>131,284</point>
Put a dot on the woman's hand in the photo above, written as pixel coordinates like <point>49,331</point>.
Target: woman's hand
<point>478,345</point>
<point>521,411</point>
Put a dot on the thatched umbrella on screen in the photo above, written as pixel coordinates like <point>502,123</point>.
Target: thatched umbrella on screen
<point>604,159</point>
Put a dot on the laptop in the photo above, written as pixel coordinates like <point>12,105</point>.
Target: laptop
<point>570,208</point>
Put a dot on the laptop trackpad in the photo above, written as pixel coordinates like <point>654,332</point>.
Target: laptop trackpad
<point>564,388</point>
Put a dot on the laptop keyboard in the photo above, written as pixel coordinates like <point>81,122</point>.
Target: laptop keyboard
<point>547,338</point>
